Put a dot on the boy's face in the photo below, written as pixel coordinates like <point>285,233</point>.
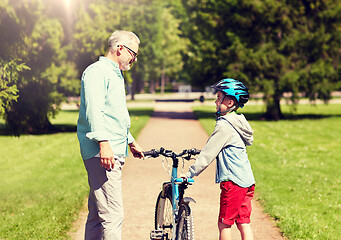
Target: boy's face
<point>227,103</point>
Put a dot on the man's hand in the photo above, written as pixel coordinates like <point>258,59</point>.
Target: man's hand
<point>107,155</point>
<point>136,150</point>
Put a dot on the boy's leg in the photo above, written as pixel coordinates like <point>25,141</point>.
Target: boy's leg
<point>231,199</point>
<point>245,231</point>
<point>243,220</point>
<point>224,231</point>
<point>229,205</point>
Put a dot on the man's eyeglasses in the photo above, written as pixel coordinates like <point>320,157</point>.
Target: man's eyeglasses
<point>133,53</point>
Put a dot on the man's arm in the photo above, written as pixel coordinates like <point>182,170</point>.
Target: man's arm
<point>94,95</point>
<point>136,150</point>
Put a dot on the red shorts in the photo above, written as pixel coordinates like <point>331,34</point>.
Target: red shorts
<point>235,203</point>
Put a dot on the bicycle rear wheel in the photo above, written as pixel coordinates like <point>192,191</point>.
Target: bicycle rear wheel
<point>164,215</point>
<point>185,230</point>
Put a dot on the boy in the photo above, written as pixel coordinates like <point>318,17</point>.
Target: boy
<point>227,145</point>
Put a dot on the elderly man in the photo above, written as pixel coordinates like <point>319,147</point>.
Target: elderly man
<point>103,134</point>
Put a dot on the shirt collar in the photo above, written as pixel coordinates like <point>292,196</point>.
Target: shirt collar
<point>107,60</point>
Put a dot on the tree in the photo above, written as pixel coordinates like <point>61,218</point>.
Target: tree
<point>90,40</point>
<point>172,46</point>
<point>95,22</point>
<point>151,20</point>
<point>38,40</point>
<point>147,24</point>
<point>162,43</point>
<point>272,46</point>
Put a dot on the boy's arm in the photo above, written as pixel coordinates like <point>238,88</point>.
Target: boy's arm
<point>215,143</point>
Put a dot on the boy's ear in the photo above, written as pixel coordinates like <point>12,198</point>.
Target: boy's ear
<point>230,103</point>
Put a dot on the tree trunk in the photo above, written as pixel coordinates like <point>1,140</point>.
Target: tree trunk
<point>273,108</point>
<point>163,80</point>
<point>132,94</point>
<point>152,86</point>
<point>133,84</point>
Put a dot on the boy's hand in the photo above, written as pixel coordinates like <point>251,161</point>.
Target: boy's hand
<point>183,175</point>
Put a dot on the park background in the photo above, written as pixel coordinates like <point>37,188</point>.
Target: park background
<point>286,52</point>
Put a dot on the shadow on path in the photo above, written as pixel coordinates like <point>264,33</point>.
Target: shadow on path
<point>174,115</point>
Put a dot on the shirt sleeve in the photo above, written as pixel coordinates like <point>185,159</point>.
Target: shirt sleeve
<point>94,83</point>
<point>130,138</point>
<point>214,144</point>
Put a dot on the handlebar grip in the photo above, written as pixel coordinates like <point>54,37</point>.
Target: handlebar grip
<point>194,151</point>
<point>148,153</point>
<point>197,151</point>
<point>153,153</point>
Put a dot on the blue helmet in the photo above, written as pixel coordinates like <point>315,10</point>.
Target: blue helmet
<point>235,88</point>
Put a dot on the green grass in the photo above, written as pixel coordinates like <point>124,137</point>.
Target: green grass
<point>43,181</point>
<point>296,163</point>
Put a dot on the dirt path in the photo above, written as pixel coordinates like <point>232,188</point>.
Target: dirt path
<point>173,126</point>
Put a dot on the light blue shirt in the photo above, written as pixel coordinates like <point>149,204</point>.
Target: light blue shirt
<point>103,113</point>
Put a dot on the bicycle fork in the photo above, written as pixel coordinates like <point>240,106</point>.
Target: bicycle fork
<point>177,202</point>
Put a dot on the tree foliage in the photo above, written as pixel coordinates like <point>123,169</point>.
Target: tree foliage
<point>9,73</point>
<point>95,21</point>
<point>57,45</point>
<point>152,21</point>
<point>161,45</point>
<point>38,40</point>
<point>272,46</point>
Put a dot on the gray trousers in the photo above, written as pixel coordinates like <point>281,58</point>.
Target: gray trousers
<point>105,202</point>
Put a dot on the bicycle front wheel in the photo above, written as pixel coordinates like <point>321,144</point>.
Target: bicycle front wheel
<point>164,215</point>
<point>185,230</point>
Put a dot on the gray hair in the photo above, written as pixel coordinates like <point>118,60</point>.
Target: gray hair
<point>120,37</point>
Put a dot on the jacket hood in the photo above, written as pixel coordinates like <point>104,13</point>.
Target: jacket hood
<point>242,126</point>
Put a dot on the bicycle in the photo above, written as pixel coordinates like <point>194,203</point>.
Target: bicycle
<point>173,215</point>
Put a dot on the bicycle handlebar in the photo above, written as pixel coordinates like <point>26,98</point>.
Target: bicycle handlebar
<point>169,153</point>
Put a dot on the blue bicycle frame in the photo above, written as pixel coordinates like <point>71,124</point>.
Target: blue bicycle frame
<point>175,187</point>
<point>175,181</point>
<point>175,195</point>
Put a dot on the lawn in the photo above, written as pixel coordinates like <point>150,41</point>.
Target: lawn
<point>296,163</point>
<point>43,181</point>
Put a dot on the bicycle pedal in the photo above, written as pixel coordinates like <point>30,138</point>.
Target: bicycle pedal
<point>156,235</point>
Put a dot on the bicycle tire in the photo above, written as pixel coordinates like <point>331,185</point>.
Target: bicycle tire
<point>185,230</point>
<point>164,215</point>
